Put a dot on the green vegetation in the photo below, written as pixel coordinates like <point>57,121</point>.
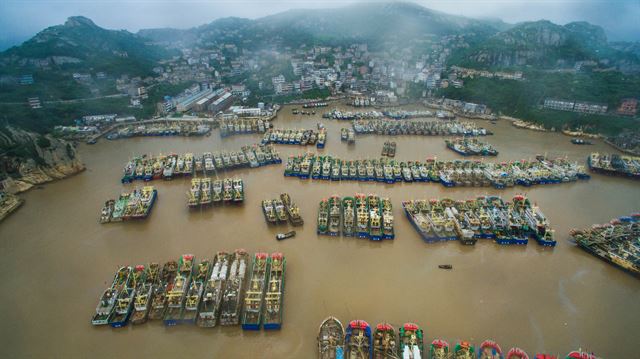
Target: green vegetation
<point>523,99</point>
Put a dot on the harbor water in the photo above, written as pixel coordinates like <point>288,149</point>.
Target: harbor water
<point>56,259</point>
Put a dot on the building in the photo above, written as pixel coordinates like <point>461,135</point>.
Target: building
<point>221,103</point>
<point>555,104</point>
<point>628,107</point>
<point>187,103</point>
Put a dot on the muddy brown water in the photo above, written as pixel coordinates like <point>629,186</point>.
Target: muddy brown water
<point>56,259</point>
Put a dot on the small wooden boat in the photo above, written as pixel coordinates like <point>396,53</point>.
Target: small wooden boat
<point>384,342</point>
<point>331,339</point>
<point>445,266</point>
<point>358,343</point>
<point>579,354</point>
<point>281,236</point>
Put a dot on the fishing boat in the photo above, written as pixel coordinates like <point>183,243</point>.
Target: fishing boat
<point>269,211</point>
<point>194,295</point>
<point>362,216</point>
<point>410,337</point>
<point>227,190</point>
<point>489,350</point>
<point>159,300</point>
<point>107,211</point>
<point>281,236</point>
<point>216,189</point>
<point>281,213</point>
<point>205,192</point>
<point>323,217</point>
<point>293,211</point>
<point>375,218</point>
<point>253,300</point>
<point>331,339</point>
<point>335,214</point>
<point>124,302</point>
<point>439,349</point>
<point>384,342</point>
<point>177,293</point>
<point>234,289</point>
<point>212,295</point>
<point>387,219</point>
<point>516,353</point>
<point>464,350</point>
<point>238,190</point>
<point>348,217</point>
<point>144,294</point>
<point>273,299</point>
<point>108,299</point>
<point>358,340</point>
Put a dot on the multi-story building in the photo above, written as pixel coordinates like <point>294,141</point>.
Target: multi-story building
<point>628,107</point>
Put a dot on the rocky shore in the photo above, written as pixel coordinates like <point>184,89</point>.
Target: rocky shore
<point>30,159</point>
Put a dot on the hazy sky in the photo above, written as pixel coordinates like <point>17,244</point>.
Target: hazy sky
<point>21,19</point>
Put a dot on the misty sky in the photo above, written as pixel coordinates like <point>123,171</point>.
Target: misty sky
<point>21,19</point>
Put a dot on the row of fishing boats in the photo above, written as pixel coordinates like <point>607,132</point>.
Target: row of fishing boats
<point>483,217</point>
<point>205,191</point>
<point>136,204</point>
<point>419,128</point>
<point>169,128</point>
<point>281,210</point>
<point>207,294</point>
<point>470,147</point>
<point>167,167</point>
<point>389,149</point>
<point>239,126</point>
<point>374,115</point>
<point>448,173</point>
<point>347,135</point>
<point>300,137</point>
<point>616,242</point>
<point>614,164</point>
<point>360,216</point>
<point>359,341</point>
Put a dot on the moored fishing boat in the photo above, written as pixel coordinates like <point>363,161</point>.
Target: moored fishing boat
<point>281,213</point>
<point>489,350</point>
<point>108,299</point>
<point>293,211</point>
<point>234,289</point>
<point>362,216</point>
<point>253,300</point>
<point>387,219</point>
<point>159,300</point>
<point>274,297</point>
<point>177,293</point>
<point>205,192</point>
<point>107,211</point>
<point>323,217</point>
<point>227,190</point>
<point>410,337</point>
<point>212,295</point>
<point>238,190</point>
<point>269,211</point>
<point>358,340</point>
<point>331,339</point>
<point>464,350</point>
<point>439,349</point>
<point>216,192</point>
<point>384,342</point>
<point>194,295</point>
<point>144,294</point>
<point>124,302</point>
<point>348,217</point>
<point>375,217</point>
<point>335,215</point>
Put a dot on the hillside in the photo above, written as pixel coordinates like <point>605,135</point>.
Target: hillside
<point>543,44</point>
<point>79,44</point>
